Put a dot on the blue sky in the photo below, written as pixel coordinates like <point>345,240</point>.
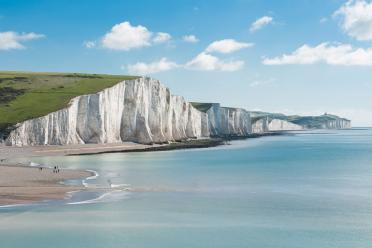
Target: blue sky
<point>303,56</point>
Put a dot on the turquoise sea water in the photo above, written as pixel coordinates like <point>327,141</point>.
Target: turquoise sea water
<point>312,189</point>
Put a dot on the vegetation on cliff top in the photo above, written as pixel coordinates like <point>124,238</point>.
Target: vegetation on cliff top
<point>25,95</point>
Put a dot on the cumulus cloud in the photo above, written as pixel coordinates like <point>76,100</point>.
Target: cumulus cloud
<point>207,62</point>
<point>124,36</point>
<point>161,37</point>
<point>13,40</point>
<point>332,54</point>
<point>227,46</point>
<point>89,44</point>
<point>260,23</point>
<point>204,61</point>
<point>157,66</point>
<point>356,19</point>
<point>190,38</point>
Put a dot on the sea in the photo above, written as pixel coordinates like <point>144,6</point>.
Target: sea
<point>310,189</point>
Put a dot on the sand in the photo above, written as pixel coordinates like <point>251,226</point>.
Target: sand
<point>11,152</point>
<point>25,184</point>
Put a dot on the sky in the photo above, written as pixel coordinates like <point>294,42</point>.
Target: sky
<point>292,56</point>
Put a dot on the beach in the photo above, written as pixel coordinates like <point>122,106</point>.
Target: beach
<point>14,152</point>
<point>25,184</point>
<point>11,152</point>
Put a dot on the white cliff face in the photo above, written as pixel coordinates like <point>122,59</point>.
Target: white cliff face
<point>141,110</point>
<point>228,121</point>
<point>283,125</point>
<point>144,111</point>
<point>337,124</point>
<point>264,125</point>
<point>260,126</point>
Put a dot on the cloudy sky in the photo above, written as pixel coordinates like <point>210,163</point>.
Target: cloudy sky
<point>291,56</point>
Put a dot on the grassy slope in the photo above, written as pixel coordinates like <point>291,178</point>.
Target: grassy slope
<point>36,94</point>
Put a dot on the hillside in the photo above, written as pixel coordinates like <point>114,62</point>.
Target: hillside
<point>25,95</point>
<point>311,122</point>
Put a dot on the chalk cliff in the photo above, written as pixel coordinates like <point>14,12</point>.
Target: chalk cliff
<point>141,110</point>
<point>283,125</point>
<point>260,125</point>
<point>144,111</point>
<point>225,121</point>
<point>326,121</point>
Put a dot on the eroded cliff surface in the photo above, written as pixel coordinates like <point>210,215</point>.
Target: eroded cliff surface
<point>225,121</point>
<point>283,125</point>
<point>260,125</point>
<point>144,111</point>
<point>141,110</point>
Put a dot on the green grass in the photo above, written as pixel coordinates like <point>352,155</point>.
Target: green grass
<point>25,95</point>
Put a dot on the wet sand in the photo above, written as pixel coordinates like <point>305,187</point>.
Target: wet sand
<point>26,184</point>
<point>20,184</point>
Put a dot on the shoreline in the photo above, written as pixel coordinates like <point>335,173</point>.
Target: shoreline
<point>11,153</point>
<point>20,185</point>
<point>190,144</point>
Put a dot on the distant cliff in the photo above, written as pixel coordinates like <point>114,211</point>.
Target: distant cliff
<point>326,121</point>
<point>143,110</point>
<point>267,124</point>
<point>225,121</point>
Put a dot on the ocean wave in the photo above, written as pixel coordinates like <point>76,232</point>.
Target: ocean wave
<point>112,196</point>
<point>119,185</point>
<point>84,182</point>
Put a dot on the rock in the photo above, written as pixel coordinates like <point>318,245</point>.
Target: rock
<point>225,121</point>
<point>260,125</point>
<point>141,110</point>
<point>283,125</point>
<point>144,111</point>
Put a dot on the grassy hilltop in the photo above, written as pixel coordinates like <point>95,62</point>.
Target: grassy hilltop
<point>25,95</point>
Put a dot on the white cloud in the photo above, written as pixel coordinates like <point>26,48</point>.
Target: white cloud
<point>356,19</point>
<point>207,62</point>
<point>190,38</point>
<point>157,66</point>
<point>89,44</point>
<point>13,40</point>
<point>124,36</point>
<point>260,23</point>
<point>227,46</point>
<point>332,54</point>
<point>161,37</point>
